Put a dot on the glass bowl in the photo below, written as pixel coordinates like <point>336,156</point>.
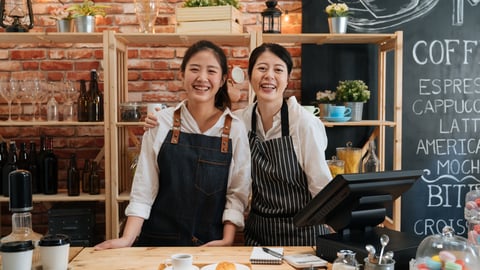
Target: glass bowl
<point>133,111</point>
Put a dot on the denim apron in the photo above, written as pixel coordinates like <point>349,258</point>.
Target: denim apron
<point>193,182</point>
<point>279,191</point>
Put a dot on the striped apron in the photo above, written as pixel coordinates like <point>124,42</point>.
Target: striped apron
<point>279,191</point>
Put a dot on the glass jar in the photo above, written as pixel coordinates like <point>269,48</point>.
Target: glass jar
<point>345,260</point>
<point>352,156</point>
<point>336,166</point>
<point>446,251</point>
<point>472,216</point>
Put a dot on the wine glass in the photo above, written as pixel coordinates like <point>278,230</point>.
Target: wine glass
<point>147,12</point>
<point>52,104</point>
<point>26,93</point>
<point>9,93</point>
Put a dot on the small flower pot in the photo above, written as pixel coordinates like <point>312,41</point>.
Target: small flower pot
<point>64,25</point>
<point>338,25</point>
<point>85,24</point>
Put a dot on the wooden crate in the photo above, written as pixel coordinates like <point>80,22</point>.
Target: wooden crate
<point>217,19</point>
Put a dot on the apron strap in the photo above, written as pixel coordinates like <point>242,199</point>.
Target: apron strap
<point>176,127</point>
<point>283,116</point>
<point>226,133</point>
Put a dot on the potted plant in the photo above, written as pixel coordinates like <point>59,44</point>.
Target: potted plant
<point>337,17</point>
<point>84,15</point>
<point>63,17</point>
<point>213,16</point>
<point>354,93</point>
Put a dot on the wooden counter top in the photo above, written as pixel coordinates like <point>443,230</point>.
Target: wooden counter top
<point>153,258</point>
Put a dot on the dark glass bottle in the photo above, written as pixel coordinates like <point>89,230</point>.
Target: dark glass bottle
<point>10,166</point>
<point>73,178</point>
<point>3,161</point>
<point>50,169</point>
<point>86,176</point>
<point>33,166</point>
<point>94,179</point>
<point>371,162</point>
<point>22,162</point>
<point>95,110</point>
<point>41,169</point>
<point>83,102</point>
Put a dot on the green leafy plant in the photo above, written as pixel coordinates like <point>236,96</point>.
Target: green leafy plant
<point>88,8</point>
<point>352,91</point>
<point>337,10</point>
<point>209,3</point>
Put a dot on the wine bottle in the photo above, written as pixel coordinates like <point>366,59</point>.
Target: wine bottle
<point>50,169</point>
<point>40,164</point>
<point>73,177</point>
<point>10,166</point>
<point>83,102</point>
<point>95,112</point>
<point>22,162</point>
<point>86,176</point>
<point>94,179</point>
<point>3,161</point>
<point>371,162</point>
<point>33,166</point>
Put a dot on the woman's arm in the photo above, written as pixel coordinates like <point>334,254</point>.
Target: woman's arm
<point>130,233</point>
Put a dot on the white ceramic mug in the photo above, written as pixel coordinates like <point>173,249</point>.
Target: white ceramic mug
<point>180,261</point>
<point>312,109</point>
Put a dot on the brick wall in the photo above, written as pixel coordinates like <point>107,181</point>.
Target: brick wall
<point>152,74</point>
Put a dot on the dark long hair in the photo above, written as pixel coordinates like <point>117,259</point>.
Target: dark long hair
<point>276,49</point>
<point>222,100</point>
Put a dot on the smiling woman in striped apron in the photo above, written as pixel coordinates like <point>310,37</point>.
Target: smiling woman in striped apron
<point>287,146</point>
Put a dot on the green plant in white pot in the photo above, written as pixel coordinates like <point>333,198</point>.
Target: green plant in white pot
<point>353,93</point>
<point>84,15</point>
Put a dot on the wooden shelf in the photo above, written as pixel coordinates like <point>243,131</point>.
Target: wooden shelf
<point>48,123</point>
<point>374,123</point>
<point>53,37</point>
<point>177,40</point>
<point>298,39</point>
<point>62,197</point>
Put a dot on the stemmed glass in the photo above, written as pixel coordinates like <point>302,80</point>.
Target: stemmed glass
<point>147,12</point>
<point>52,105</point>
<point>41,92</point>
<point>26,92</point>
<point>9,93</point>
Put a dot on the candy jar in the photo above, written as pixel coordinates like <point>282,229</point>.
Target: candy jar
<point>446,251</point>
<point>345,260</point>
<point>472,216</point>
<point>336,166</point>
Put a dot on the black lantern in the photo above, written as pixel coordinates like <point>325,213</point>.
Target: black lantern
<point>15,15</point>
<point>271,18</point>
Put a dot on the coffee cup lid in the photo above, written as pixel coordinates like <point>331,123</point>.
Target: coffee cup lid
<point>17,246</point>
<point>54,240</point>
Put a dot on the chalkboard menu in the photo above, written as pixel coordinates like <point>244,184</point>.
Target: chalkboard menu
<point>441,99</point>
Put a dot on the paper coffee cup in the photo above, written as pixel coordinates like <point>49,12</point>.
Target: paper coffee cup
<point>54,251</point>
<point>17,255</point>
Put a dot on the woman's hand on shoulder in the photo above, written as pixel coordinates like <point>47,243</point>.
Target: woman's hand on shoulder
<point>150,122</point>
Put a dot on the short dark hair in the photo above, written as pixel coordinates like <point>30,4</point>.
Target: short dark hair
<point>276,49</point>
<point>222,100</point>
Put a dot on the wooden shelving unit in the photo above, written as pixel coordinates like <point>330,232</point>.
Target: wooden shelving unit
<point>64,40</point>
